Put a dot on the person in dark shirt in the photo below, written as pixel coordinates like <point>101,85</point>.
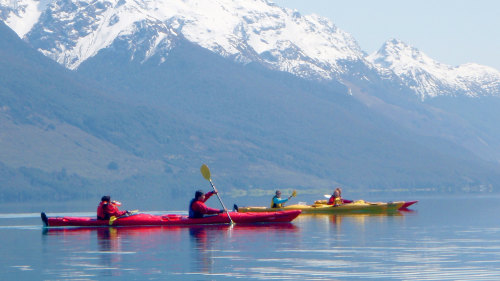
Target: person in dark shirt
<point>197,207</point>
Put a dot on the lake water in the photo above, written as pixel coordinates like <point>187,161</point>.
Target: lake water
<point>448,238</point>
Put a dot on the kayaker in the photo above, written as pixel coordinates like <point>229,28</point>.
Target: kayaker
<point>197,207</point>
<point>108,208</point>
<point>277,202</point>
<point>336,198</point>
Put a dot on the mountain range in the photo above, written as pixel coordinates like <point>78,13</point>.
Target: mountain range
<point>125,96</point>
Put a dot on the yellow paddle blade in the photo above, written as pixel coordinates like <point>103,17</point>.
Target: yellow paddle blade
<point>133,211</point>
<point>112,220</point>
<point>205,172</point>
<point>294,193</point>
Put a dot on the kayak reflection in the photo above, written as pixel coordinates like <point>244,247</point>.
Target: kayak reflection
<point>201,253</point>
<point>204,255</point>
<point>116,251</point>
<point>359,219</point>
<point>108,242</point>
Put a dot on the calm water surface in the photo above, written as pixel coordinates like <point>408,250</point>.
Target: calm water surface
<point>443,239</point>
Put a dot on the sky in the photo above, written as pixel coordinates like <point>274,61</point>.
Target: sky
<point>453,32</point>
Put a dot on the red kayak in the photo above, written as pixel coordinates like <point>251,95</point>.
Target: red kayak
<point>166,220</point>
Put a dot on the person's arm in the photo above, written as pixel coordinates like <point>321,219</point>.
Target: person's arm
<point>277,200</point>
<point>203,209</point>
<point>208,195</point>
<point>331,201</point>
<point>112,210</point>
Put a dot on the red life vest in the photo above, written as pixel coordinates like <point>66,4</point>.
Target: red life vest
<point>100,211</point>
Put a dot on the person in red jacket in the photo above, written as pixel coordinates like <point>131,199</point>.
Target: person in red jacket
<point>336,199</point>
<point>197,207</point>
<point>108,208</point>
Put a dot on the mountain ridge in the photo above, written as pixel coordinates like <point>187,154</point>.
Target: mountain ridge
<point>251,31</point>
<point>429,78</point>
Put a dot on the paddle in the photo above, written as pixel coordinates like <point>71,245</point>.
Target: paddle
<point>294,193</point>
<point>113,218</point>
<point>206,174</point>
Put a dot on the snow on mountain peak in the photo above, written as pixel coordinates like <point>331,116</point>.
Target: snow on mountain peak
<point>399,56</point>
<point>21,15</point>
<point>71,31</point>
<point>429,78</point>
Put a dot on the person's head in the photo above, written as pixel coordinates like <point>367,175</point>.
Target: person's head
<point>106,198</point>
<point>337,192</point>
<point>199,195</point>
<point>278,193</point>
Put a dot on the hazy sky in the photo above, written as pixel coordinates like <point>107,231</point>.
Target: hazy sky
<point>453,32</point>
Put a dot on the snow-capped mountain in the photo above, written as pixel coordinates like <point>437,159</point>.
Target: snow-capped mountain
<point>21,15</point>
<point>72,31</point>
<point>429,78</point>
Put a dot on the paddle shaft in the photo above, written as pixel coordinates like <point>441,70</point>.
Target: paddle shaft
<point>220,200</point>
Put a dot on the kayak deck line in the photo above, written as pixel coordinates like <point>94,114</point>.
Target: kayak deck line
<point>141,219</point>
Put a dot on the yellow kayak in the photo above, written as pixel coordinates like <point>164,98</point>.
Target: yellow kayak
<point>359,206</point>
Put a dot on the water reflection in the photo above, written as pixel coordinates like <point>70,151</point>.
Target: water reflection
<point>202,255</point>
<point>360,219</point>
<point>109,242</point>
<point>205,238</point>
<point>120,251</point>
<point>103,257</point>
<point>442,241</point>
